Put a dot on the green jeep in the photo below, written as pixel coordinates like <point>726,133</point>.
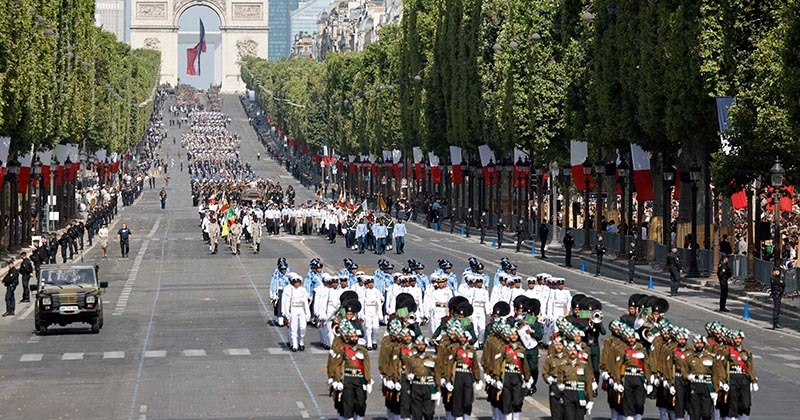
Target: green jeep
<point>67,294</point>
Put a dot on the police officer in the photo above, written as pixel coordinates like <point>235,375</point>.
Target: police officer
<point>522,233</point>
<point>599,251</point>
<point>776,288</point>
<point>544,231</point>
<point>569,241</point>
<point>25,269</point>
<point>723,274</point>
<point>501,229</point>
<point>631,262</point>
<point>10,281</point>
<point>674,266</point>
<point>482,226</point>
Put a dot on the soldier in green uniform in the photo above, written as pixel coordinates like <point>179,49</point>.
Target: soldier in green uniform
<point>508,373</point>
<point>611,366</point>
<point>420,367</point>
<point>634,370</point>
<point>678,384</point>
<point>492,342</point>
<point>462,372</point>
<point>388,366</point>
<point>574,380</point>
<point>629,318</point>
<point>741,377</point>
<point>550,369</point>
<point>703,373</point>
<point>530,333</point>
<point>352,361</point>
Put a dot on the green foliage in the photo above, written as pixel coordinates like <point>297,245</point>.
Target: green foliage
<point>59,75</point>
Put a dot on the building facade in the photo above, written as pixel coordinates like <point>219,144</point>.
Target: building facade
<point>110,15</point>
<point>352,25</point>
<point>280,34</point>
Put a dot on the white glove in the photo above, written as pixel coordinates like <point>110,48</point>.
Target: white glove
<point>478,386</point>
<point>714,397</point>
<point>397,386</point>
<point>442,382</point>
<point>551,380</point>
<point>561,387</point>
<point>368,388</point>
<point>449,387</point>
<point>487,379</point>
<point>589,406</point>
<point>656,383</point>
<point>665,384</point>
<point>390,384</point>
<point>330,381</point>
<point>652,378</point>
<point>530,382</point>
<point>725,387</point>
<point>672,390</point>
<point>594,386</point>
<point>691,376</point>
<point>499,385</point>
<point>436,397</point>
<point>410,377</point>
<point>604,375</point>
<point>619,388</point>
<point>338,386</point>
<point>649,389</point>
<point>754,387</point>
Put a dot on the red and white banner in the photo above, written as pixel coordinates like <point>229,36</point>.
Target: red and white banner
<point>62,152</point>
<point>642,176</point>
<point>396,157</point>
<point>325,161</point>
<point>489,164</point>
<point>25,162</point>
<point>739,200</point>
<point>5,146</point>
<point>578,152</point>
<point>455,160</point>
<point>74,157</point>
<point>418,167</point>
<point>522,168</point>
<point>436,171</point>
<point>46,157</point>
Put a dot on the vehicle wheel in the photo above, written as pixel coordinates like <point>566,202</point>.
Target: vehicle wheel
<point>42,328</point>
<point>101,321</point>
<point>95,326</point>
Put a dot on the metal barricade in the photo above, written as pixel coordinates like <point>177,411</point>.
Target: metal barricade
<point>762,270</point>
<point>738,264</point>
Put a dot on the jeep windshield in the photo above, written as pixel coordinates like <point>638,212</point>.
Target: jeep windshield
<point>82,277</point>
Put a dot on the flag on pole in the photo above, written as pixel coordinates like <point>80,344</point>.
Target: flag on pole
<point>45,156</point>
<point>360,209</point>
<point>436,171</point>
<point>488,162</point>
<point>642,177</point>
<point>193,54</point>
<point>418,168</point>
<point>325,155</point>
<point>25,162</point>
<point>5,145</point>
<point>455,160</point>
<point>578,152</point>
<point>382,203</point>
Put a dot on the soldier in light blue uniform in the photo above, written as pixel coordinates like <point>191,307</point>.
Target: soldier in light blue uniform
<point>314,276</point>
<point>278,281</point>
<point>473,262</point>
<point>418,269</point>
<point>446,270</point>
<point>503,265</point>
<point>383,275</point>
<point>350,269</point>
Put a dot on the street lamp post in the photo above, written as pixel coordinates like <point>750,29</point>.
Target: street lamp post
<point>520,184</point>
<point>37,176</point>
<point>750,282</point>
<point>587,172</point>
<point>623,176</point>
<point>13,171</point>
<point>694,176</point>
<point>539,186</point>
<point>554,172</point>
<point>566,179</point>
<point>52,197</point>
<point>600,170</point>
<point>669,180</point>
<point>776,174</point>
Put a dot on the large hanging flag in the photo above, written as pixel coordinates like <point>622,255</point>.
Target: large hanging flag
<point>396,157</point>
<point>436,171</point>
<point>489,164</point>
<point>578,152</point>
<point>5,145</point>
<point>641,174</point>
<point>455,160</point>
<point>193,54</point>
<point>45,156</point>
<point>522,168</point>
<point>418,167</point>
<point>62,152</point>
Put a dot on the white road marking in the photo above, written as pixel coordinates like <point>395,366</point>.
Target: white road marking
<point>237,352</point>
<point>755,356</point>
<point>793,365</point>
<point>155,353</point>
<point>114,355</point>
<point>72,356</point>
<point>538,405</point>
<point>315,350</point>
<point>31,357</point>
<point>26,312</point>
<point>303,411</point>
<point>143,409</point>
<point>277,350</point>
<point>787,356</point>
<point>194,353</point>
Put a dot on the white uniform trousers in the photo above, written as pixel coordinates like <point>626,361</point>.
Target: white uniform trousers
<point>297,324</point>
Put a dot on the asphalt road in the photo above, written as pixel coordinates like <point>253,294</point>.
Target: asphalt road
<point>188,335</point>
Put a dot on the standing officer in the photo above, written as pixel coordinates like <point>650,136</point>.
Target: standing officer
<point>213,235</point>
<point>776,288</point>
<point>52,244</point>
<point>674,265</point>
<point>469,221</point>
<point>599,251</point>
<point>631,262</point>
<point>482,226</point>
<point>296,310</point>
<point>544,231</point>
<point>10,281</point>
<point>277,283</point>
<point>124,240</point>
<point>25,269</point>
<point>501,229</point>
<point>723,274</point>
<point>569,241</point>
<point>522,233</point>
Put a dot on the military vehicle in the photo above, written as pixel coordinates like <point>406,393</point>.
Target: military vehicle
<point>68,294</point>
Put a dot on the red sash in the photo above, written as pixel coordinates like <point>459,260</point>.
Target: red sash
<point>463,355</point>
<point>406,351</point>
<point>352,355</point>
<point>638,362</point>
<point>514,357</point>
<point>679,353</point>
<point>739,361</point>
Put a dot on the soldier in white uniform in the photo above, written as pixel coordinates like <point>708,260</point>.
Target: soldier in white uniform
<point>321,293</point>
<point>295,306</point>
<point>414,290</point>
<point>478,297</point>
<point>560,299</point>
<point>502,292</point>
<point>392,292</point>
<point>372,302</point>
<point>435,305</point>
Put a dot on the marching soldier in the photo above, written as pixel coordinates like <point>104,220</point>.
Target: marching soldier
<point>463,373</point>
<point>575,379</point>
<point>295,308</point>
<point>550,369</point>
<point>703,373</point>
<point>278,282</point>
<point>679,386</point>
<point>435,304</point>
<point>213,235</point>
<point>741,377</point>
<point>634,371</point>
<point>611,367</point>
<point>236,237</point>
<point>255,234</point>
<point>352,369</point>
<point>373,302</point>
<point>420,370</point>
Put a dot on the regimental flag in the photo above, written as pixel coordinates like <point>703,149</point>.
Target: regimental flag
<point>362,208</point>
<point>193,54</point>
<point>739,200</point>
<point>382,203</point>
<point>325,161</point>
<point>522,172</point>
<point>455,160</point>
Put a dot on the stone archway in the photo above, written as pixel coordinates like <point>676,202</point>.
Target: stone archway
<point>243,31</point>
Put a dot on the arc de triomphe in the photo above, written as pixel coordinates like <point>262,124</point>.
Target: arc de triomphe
<point>243,27</point>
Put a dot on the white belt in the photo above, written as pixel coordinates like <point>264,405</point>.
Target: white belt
<point>298,305</point>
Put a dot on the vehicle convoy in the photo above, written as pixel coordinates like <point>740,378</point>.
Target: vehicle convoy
<point>68,294</point>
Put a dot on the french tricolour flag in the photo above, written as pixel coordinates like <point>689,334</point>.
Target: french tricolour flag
<point>193,54</point>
